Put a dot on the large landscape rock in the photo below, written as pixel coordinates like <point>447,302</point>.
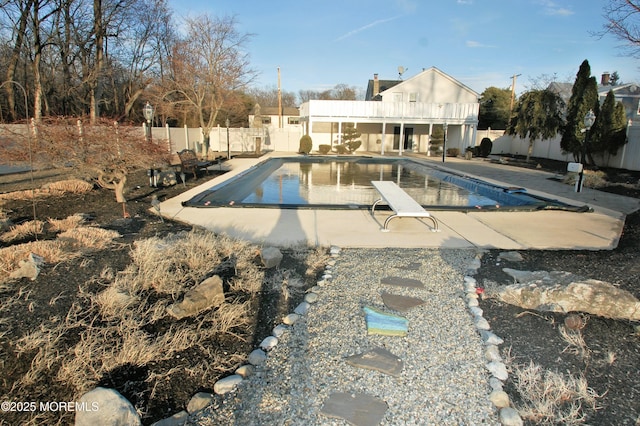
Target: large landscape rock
<point>206,295</point>
<point>103,406</point>
<point>559,291</point>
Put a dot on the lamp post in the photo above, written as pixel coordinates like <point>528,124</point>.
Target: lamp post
<point>228,146</point>
<point>444,141</point>
<point>148,115</point>
<point>589,119</point>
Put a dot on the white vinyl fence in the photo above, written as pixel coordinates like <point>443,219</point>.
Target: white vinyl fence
<point>628,156</point>
<point>236,140</point>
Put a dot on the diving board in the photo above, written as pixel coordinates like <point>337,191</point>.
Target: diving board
<point>400,202</point>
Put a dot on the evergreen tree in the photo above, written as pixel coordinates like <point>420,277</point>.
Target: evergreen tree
<point>538,115</point>
<point>609,132</point>
<point>349,137</point>
<point>494,108</point>
<point>584,97</point>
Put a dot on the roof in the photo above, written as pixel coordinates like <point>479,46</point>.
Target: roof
<point>384,85</point>
<point>290,111</point>
<point>388,84</point>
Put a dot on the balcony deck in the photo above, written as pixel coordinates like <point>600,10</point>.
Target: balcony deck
<point>378,112</point>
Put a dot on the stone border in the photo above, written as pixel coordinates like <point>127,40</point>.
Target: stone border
<point>499,398</point>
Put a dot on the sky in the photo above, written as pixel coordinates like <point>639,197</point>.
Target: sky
<point>481,43</point>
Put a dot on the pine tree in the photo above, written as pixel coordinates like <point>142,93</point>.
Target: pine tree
<point>609,132</point>
<point>584,97</point>
<point>538,115</point>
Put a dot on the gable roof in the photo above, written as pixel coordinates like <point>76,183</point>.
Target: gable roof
<point>435,70</point>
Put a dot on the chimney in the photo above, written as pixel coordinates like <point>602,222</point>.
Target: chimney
<point>605,79</point>
<point>376,85</point>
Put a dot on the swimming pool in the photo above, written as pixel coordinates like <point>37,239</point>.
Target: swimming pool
<point>344,182</point>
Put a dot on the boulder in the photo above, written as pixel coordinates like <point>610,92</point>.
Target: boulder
<point>106,407</point>
<point>28,268</point>
<point>563,292</point>
<point>271,257</point>
<point>206,295</point>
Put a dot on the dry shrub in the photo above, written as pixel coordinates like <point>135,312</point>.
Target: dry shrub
<point>26,194</point>
<point>591,179</point>
<point>68,245</point>
<point>89,238</point>
<point>71,222</point>
<point>171,265</point>
<point>23,231</point>
<point>552,398</point>
<point>69,186</point>
<point>126,322</point>
<point>575,342</point>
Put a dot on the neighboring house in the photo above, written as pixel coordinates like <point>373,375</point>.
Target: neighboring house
<point>628,94</point>
<point>271,119</point>
<point>398,116</point>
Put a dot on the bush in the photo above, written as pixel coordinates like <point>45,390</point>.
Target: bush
<point>324,149</point>
<point>485,147</point>
<point>453,152</point>
<point>352,145</point>
<point>341,149</point>
<point>306,144</point>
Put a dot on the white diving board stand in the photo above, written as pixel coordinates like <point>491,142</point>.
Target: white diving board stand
<point>400,202</point>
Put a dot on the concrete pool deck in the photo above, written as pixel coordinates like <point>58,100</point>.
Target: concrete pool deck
<point>599,230</point>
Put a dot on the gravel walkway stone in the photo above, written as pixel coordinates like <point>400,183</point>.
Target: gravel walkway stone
<point>444,380</point>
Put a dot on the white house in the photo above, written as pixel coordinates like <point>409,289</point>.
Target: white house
<point>396,111</point>
<point>271,118</point>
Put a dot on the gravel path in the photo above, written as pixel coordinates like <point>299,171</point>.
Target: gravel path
<point>443,382</point>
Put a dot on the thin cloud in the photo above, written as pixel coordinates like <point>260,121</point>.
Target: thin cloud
<point>465,2</point>
<point>366,27</point>
<point>475,44</point>
<point>553,9</point>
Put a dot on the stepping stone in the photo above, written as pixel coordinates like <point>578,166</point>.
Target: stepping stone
<point>400,303</point>
<point>357,409</point>
<point>378,359</point>
<point>413,266</point>
<point>402,282</point>
<point>382,323</point>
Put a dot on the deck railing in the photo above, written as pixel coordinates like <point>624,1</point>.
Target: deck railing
<point>377,111</point>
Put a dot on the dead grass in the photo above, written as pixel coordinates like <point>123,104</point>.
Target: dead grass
<point>548,397</point>
<point>119,318</point>
<point>69,186</point>
<point>592,179</point>
<point>69,244</point>
<point>23,231</point>
<point>575,342</point>
<point>71,222</point>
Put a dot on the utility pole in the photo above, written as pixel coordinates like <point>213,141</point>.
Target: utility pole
<point>513,92</point>
<point>279,102</point>
<point>513,96</point>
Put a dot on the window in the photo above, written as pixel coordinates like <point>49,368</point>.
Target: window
<point>413,97</point>
<point>293,120</point>
<point>266,120</point>
<point>397,97</point>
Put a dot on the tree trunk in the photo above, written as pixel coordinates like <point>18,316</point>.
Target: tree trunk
<point>95,82</point>
<point>15,58</point>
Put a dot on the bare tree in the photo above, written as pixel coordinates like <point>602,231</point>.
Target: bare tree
<point>622,20</point>
<point>209,68</point>
<point>269,97</point>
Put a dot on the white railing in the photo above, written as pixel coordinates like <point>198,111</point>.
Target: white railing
<point>454,113</point>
